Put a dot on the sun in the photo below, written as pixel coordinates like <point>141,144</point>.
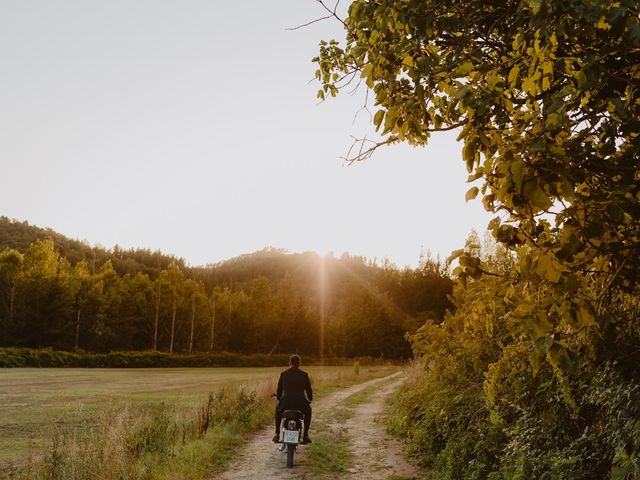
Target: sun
<point>324,252</point>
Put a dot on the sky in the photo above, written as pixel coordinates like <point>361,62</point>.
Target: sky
<point>193,127</point>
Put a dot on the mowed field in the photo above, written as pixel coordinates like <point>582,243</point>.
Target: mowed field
<point>35,403</point>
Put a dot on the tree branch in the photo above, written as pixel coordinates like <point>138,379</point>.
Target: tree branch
<point>326,17</point>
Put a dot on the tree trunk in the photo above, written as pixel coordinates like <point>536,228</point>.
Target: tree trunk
<point>12,293</point>
<point>173,323</point>
<point>193,321</point>
<point>213,323</point>
<point>77,330</point>
<point>155,326</point>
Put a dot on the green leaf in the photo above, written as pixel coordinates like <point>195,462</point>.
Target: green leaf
<point>468,155</point>
<point>534,5</point>
<point>462,70</point>
<point>455,254</point>
<point>602,24</point>
<point>516,173</point>
<point>559,357</point>
<point>555,105</point>
<point>529,86</point>
<point>535,360</point>
<point>367,70</point>
<point>585,316</point>
<point>554,121</point>
<point>390,119</point>
<point>367,74</point>
<point>538,145</point>
<point>494,224</point>
<point>471,193</point>
<point>535,196</point>
<point>408,60</point>
<point>377,118</point>
<point>543,344</point>
<point>513,75</point>
<point>548,267</point>
<point>463,92</point>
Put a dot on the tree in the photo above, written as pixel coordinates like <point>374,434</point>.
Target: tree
<point>262,314</point>
<point>175,280</point>
<point>546,95</point>
<point>109,324</point>
<point>42,309</point>
<point>212,334</point>
<point>197,298</point>
<point>158,286</point>
<point>79,289</point>
<point>139,307</point>
<point>10,264</point>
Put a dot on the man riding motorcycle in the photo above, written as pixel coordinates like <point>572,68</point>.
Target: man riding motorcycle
<point>294,393</point>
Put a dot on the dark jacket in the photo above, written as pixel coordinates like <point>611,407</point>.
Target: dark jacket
<point>292,387</point>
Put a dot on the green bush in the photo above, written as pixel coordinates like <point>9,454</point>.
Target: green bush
<point>488,403</point>
<point>25,357</point>
<point>448,430</point>
<point>592,437</point>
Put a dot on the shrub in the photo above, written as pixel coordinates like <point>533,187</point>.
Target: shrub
<point>448,429</point>
<point>25,357</point>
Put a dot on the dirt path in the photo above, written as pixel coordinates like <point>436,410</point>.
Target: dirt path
<point>375,453</point>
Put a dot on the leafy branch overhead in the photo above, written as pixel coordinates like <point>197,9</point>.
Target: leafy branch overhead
<point>546,98</point>
<point>533,373</point>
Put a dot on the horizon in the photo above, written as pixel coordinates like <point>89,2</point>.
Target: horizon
<point>330,253</point>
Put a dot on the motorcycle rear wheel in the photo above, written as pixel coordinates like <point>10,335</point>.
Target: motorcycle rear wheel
<point>291,448</point>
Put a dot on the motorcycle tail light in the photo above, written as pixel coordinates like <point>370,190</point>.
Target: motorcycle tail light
<point>292,424</point>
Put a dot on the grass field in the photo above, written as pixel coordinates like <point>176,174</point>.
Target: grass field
<point>36,403</point>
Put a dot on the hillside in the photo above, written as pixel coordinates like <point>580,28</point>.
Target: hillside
<point>19,235</point>
<point>65,294</point>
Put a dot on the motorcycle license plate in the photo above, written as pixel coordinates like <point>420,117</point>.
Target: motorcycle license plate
<point>291,436</point>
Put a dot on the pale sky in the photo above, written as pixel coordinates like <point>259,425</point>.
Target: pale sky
<point>193,127</point>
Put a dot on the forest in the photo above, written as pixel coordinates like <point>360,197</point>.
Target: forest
<point>67,295</point>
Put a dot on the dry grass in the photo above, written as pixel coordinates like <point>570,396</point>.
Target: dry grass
<point>35,403</point>
<point>158,440</point>
<point>414,372</point>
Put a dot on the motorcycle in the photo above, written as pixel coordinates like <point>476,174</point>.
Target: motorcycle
<point>291,433</point>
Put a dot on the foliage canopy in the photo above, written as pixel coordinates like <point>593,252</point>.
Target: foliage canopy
<point>545,95</point>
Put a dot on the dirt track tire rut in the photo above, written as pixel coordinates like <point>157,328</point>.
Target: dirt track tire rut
<point>376,454</point>
<point>259,458</point>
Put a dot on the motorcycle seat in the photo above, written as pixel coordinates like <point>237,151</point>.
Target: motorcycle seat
<point>292,414</point>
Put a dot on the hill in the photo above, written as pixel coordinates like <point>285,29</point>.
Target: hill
<point>62,293</point>
<point>19,235</point>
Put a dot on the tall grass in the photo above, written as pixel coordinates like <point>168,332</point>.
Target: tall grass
<point>156,441</point>
<point>149,442</point>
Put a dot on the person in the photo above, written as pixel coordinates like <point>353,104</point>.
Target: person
<point>294,393</point>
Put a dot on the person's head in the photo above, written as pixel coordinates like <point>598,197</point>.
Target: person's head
<point>294,361</point>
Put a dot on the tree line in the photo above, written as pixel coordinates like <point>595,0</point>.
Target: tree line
<point>269,302</point>
<point>20,234</point>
